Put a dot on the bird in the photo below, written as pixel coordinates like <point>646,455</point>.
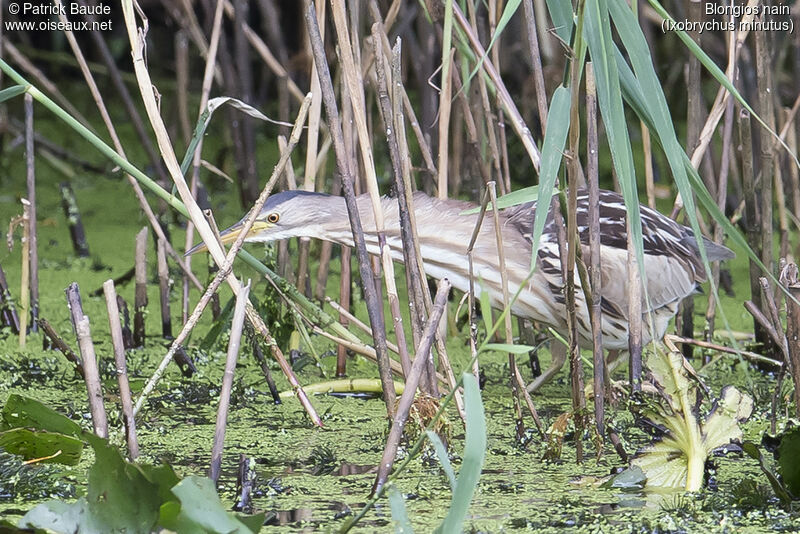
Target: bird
<point>672,263</point>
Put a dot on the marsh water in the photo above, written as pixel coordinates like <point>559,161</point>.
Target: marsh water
<point>309,478</point>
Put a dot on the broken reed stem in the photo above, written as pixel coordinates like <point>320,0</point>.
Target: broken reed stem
<point>9,312</point>
<point>224,273</point>
<point>536,62</point>
<point>767,297</point>
<point>763,321</point>
<point>722,348</point>
<point>245,482</point>
<point>61,345</point>
<point>445,108</point>
<point>24,293</point>
<point>76,231</point>
<point>33,247</point>
<point>595,273</point>
<point>694,123</point>
<point>509,336</point>
<point>790,280</point>
<point>312,146</point>
<point>647,148</point>
<point>387,116</point>
<point>405,203</point>
<point>415,270</point>
<point>352,78</point>
<point>766,110</point>
<point>752,216</point>
<point>140,290</point>
<point>211,266</point>
<point>344,298</point>
<point>181,44</point>
<point>634,314</point>
<point>163,287</point>
<point>412,381</point>
<point>121,368</point>
<point>374,306</point>
<point>227,381</point>
<point>91,373</point>
<point>262,362</point>
<point>471,298</point>
<point>573,242</point>
<point>325,251</point>
<point>722,194</point>
<point>127,333</point>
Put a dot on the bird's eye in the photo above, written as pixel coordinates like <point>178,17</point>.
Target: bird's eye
<point>273,218</point>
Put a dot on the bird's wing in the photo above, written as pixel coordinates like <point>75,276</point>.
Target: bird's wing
<point>671,261</point>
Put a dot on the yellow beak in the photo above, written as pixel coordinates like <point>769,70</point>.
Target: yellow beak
<point>229,235</point>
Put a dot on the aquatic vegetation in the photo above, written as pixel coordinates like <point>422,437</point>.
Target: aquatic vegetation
<point>678,458</point>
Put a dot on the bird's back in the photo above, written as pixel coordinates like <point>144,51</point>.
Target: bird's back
<point>672,263</point>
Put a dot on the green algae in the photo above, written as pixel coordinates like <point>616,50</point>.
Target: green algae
<point>313,478</point>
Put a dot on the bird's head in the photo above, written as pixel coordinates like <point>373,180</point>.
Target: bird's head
<point>284,215</point>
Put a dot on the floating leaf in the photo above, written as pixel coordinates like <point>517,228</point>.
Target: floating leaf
<point>678,459</point>
<point>50,447</point>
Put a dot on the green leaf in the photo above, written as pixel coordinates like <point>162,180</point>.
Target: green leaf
<point>751,449</point>
<point>23,412</point>
<point>120,497</point>
<point>31,444</point>
<point>555,138</point>
<point>677,461</point>
<point>441,453</point>
<point>597,31</point>
<point>253,522</point>
<point>562,16</point>
<point>520,196</point>
<point>397,505</point>
<point>11,92</point>
<point>220,325</point>
<point>205,118</point>
<point>508,12</point>
<point>508,347</point>
<point>788,466</point>
<point>474,453</point>
<point>60,517</point>
<point>201,506</point>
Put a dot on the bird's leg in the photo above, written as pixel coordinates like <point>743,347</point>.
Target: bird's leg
<point>559,355</point>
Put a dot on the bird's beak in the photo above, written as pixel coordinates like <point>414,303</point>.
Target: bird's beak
<point>229,235</point>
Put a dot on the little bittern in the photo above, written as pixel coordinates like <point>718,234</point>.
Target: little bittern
<point>671,258</point>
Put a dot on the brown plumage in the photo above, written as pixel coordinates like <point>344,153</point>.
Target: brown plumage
<point>671,259</point>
